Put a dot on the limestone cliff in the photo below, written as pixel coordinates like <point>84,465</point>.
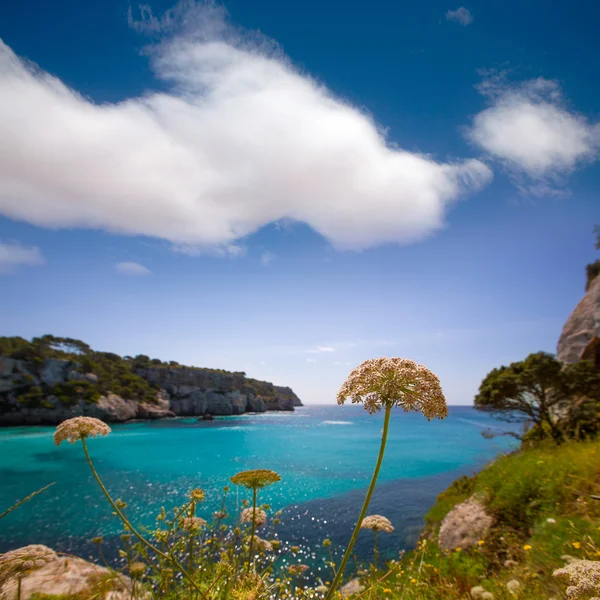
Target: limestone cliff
<point>51,390</point>
<point>195,391</point>
<point>580,338</point>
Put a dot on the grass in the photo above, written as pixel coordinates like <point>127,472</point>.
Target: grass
<point>541,501</point>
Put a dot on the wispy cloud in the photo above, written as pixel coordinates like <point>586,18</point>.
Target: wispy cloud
<point>461,15</point>
<point>267,258</point>
<point>131,268</point>
<point>321,350</point>
<point>311,360</point>
<point>173,164</point>
<point>14,255</point>
<point>529,128</point>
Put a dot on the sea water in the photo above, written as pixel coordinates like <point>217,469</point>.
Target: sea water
<point>324,454</point>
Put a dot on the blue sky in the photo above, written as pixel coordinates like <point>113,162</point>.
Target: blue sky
<point>292,188</point>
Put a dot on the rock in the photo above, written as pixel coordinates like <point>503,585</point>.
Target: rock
<point>54,371</point>
<point>206,418</point>
<point>464,525</point>
<point>184,391</point>
<point>580,336</point>
<point>69,576</point>
<point>114,409</point>
<point>77,376</point>
<point>255,404</point>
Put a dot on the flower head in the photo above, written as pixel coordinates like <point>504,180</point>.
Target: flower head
<point>197,495</point>
<point>377,523</point>
<point>255,479</point>
<point>249,587</point>
<point>513,586</point>
<point>297,569</point>
<point>79,428</point>
<point>476,592</point>
<point>193,523</point>
<point>263,545</point>
<point>260,517</point>
<point>385,382</point>
<point>17,563</point>
<point>583,578</point>
<point>137,569</point>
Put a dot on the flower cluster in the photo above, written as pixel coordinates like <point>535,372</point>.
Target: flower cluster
<point>193,523</point>
<point>17,563</point>
<point>260,518</point>
<point>297,569</point>
<point>380,383</point>
<point>583,578</point>
<point>79,428</point>
<point>377,523</point>
<point>255,479</point>
<point>263,545</point>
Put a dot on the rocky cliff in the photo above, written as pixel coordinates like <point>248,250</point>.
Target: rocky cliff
<point>37,390</point>
<point>194,391</point>
<point>580,338</point>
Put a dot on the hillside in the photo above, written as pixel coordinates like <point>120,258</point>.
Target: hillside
<point>521,518</point>
<point>50,379</point>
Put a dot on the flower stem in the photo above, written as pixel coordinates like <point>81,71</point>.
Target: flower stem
<point>363,512</point>
<point>125,520</point>
<point>253,526</point>
<point>375,550</point>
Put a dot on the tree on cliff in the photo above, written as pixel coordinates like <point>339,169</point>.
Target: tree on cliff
<point>593,269</point>
<point>537,391</point>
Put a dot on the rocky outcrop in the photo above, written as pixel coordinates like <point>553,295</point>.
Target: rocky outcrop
<point>62,577</point>
<point>466,524</point>
<point>182,391</point>
<point>196,392</point>
<point>580,338</point>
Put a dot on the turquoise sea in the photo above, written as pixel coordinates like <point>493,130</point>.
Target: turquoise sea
<point>324,454</point>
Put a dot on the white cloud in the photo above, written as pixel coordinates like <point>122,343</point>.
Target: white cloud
<point>311,360</point>
<point>529,128</point>
<point>321,350</point>
<point>240,139</point>
<point>14,255</point>
<point>461,15</point>
<point>131,268</point>
<point>267,258</point>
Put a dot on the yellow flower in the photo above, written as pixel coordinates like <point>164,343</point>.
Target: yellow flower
<point>413,581</point>
<point>387,591</point>
<point>526,547</point>
<point>459,549</point>
<point>576,545</point>
<point>480,543</point>
<point>256,479</point>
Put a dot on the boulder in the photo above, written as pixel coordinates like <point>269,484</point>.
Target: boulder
<point>67,577</point>
<point>580,338</point>
<point>466,524</point>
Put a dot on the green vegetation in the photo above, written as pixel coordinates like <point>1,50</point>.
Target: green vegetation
<point>112,373</point>
<point>593,269</point>
<point>542,501</point>
<point>554,400</point>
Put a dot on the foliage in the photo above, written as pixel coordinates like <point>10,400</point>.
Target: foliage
<point>538,389</point>
<point>114,374</point>
<point>541,500</point>
<point>592,270</point>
